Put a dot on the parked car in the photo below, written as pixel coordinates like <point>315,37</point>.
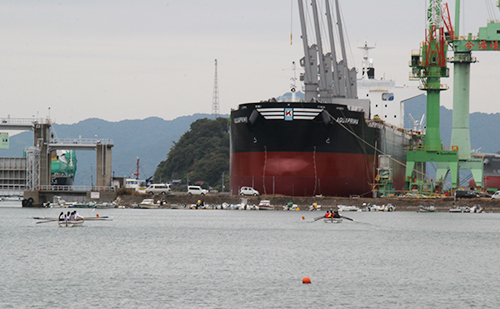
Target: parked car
<point>248,191</point>
<point>196,190</point>
<point>159,188</point>
<point>466,194</point>
<point>496,195</point>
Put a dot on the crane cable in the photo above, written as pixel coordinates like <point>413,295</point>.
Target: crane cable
<point>381,152</point>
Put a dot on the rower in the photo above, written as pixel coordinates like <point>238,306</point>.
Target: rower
<point>328,214</point>
<point>62,216</point>
<point>77,216</point>
<point>336,214</point>
<point>68,216</point>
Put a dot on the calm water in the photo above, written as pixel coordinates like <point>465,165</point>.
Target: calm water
<point>249,259</point>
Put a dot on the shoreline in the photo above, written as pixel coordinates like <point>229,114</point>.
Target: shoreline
<point>327,203</point>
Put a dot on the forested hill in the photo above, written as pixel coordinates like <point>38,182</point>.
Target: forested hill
<point>201,154</point>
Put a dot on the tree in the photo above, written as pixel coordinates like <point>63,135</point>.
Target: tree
<point>201,154</point>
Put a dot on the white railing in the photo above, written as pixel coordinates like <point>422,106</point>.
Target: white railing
<point>81,141</point>
<point>24,121</point>
<point>76,188</point>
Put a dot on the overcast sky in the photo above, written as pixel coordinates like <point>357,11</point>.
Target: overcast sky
<point>132,59</point>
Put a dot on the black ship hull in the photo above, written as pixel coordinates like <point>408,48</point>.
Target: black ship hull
<point>307,149</point>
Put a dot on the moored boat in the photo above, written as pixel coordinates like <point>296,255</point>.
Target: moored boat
<point>148,203</point>
<point>265,205</point>
<point>460,209</point>
<point>426,208</point>
<point>476,209</point>
<point>347,208</point>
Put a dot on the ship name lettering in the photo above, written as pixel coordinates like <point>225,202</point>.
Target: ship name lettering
<point>347,120</point>
<point>241,120</point>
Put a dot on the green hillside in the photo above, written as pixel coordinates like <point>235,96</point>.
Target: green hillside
<point>201,154</point>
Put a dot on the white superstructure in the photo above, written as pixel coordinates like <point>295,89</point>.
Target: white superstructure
<point>386,98</point>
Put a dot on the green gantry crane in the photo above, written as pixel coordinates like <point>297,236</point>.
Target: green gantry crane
<point>429,66</point>
<point>486,40</point>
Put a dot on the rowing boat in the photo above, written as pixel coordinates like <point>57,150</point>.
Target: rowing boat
<point>333,220</point>
<point>70,223</point>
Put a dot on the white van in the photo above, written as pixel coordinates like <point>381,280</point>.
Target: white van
<point>196,190</point>
<point>496,195</point>
<point>158,188</point>
<point>248,191</point>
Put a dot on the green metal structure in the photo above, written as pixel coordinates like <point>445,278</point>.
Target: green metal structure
<point>429,66</point>
<point>486,40</point>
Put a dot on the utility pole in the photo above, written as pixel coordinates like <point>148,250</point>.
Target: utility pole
<point>215,99</point>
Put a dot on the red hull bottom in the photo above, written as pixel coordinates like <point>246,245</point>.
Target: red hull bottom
<point>491,182</point>
<point>304,173</point>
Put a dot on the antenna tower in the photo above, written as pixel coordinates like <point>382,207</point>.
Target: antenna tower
<point>215,100</point>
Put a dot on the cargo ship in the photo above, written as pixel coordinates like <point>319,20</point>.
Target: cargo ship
<point>327,144</point>
<point>491,171</point>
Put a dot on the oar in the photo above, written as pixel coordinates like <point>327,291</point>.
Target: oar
<point>348,218</point>
<point>318,218</point>
<point>44,218</point>
<point>47,221</point>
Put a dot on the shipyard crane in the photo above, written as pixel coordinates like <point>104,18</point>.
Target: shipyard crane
<point>325,76</point>
<point>486,40</point>
<point>429,66</point>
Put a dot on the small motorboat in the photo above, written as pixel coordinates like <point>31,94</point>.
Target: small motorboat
<point>333,220</point>
<point>427,208</point>
<point>148,203</point>
<point>347,208</point>
<point>460,209</point>
<point>71,223</point>
<point>265,205</point>
<point>476,209</point>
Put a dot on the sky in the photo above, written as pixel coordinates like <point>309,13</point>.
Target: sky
<point>132,59</point>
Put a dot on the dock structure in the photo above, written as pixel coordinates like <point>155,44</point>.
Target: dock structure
<point>12,176</point>
<point>38,188</point>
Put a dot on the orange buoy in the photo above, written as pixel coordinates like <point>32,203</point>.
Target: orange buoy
<point>97,215</point>
<point>306,280</point>
<point>303,218</point>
